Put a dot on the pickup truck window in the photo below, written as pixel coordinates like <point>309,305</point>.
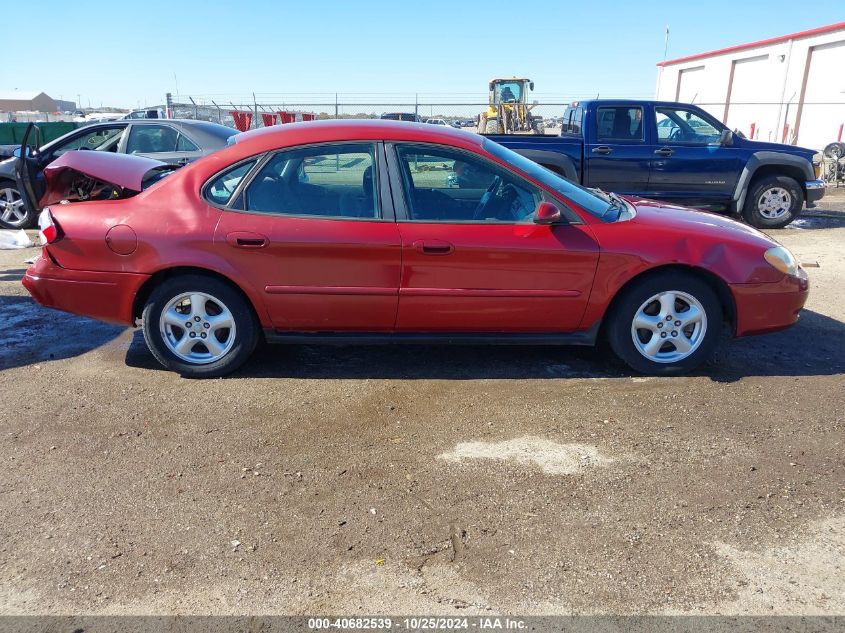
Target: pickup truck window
<point>589,200</point>
<point>619,123</point>
<point>679,125</point>
<point>572,118</point>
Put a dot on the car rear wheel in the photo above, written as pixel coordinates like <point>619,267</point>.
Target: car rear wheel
<point>13,213</point>
<point>773,202</point>
<point>665,324</point>
<point>198,326</point>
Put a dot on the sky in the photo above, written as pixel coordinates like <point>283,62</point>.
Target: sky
<point>129,54</point>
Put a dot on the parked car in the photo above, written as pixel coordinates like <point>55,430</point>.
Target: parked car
<point>401,116</point>
<point>436,122</point>
<point>349,231</point>
<point>676,152</point>
<point>172,140</point>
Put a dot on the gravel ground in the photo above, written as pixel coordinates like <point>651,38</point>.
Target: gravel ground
<point>424,480</point>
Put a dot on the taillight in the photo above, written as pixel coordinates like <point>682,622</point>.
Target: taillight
<point>48,230</point>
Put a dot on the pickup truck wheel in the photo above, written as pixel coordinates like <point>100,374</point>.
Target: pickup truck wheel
<point>773,202</point>
<point>493,127</point>
<point>665,324</point>
<point>13,213</point>
<point>199,326</point>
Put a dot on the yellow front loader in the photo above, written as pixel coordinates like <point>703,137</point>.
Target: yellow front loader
<point>508,111</point>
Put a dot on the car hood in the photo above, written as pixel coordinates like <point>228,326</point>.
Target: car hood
<point>693,221</point>
<point>120,170</point>
<point>765,146</point>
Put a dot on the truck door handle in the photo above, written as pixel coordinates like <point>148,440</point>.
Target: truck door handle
<point>602,149</point>
<point>433,247</point>
<point>246,239</point>
<point>664,151</point>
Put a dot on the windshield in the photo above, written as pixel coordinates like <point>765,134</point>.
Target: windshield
<point>595,202</point>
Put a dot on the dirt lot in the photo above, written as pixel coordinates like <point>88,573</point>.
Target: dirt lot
<point>424,480</point>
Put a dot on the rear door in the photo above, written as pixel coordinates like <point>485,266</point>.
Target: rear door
<point>313,230</point>
<point>472,258</point>
<point>617,152</point>
<point>688,163</point>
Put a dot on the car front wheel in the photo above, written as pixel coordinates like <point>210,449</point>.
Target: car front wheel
<point>666,324</point>
<point>13,213</point>
<point>198,326</point>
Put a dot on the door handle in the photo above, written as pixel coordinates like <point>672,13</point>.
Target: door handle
<point>664,151</point>
<point>602,149</point>
<point>433,247</point>
<point>183,161</point>
<point>246,239</point>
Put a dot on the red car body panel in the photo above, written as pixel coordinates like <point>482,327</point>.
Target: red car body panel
<point>356,275</point>
<point>499,277</point>
<point>106,296</point>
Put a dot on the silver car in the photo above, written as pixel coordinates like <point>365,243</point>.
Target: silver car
<point>175,141</point>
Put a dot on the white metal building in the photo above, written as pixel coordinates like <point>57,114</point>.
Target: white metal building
<point>784,89</point>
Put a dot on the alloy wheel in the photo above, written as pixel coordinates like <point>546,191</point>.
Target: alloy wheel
<point>197,328</point>
<point>12,211</point>
<point>669,326</point>
<point>774,203</point>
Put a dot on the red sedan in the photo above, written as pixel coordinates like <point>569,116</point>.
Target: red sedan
<point>373,232</point>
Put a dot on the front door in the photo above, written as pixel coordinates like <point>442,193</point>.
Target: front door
<point>618,156</point>
<point>688,162</point>
<point>472,258</point>
<point>315,234</point>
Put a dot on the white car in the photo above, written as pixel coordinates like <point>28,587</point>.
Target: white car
<point>436,121</point>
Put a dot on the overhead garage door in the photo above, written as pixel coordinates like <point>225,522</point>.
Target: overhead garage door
<point>690,83</point>
<point>750,88</point>
<point>823,109</point>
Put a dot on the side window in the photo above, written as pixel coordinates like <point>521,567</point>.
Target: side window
<point>619,123</point>
<point>102,140</point>
<point>678,125</point>
<point>151,139</point>
<point>328,180</point>
<point>184,144</point>
<point>221,189</point>
<point>444,185</point>
<point>572,121</point>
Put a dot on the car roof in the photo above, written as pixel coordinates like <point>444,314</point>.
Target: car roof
<point>265,138</point>
<point>208,134</point>
<point>636,102</point>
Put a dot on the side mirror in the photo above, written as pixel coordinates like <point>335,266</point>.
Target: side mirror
<point>726,139</point>
<point>546,213</point>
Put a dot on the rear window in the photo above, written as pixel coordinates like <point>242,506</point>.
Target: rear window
<point>572,121</point>
<point>215,129</point>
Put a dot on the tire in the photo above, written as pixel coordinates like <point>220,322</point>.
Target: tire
<point>209,305</point>
<point>773,202</point>
<point>686,346</point>
<point>835,150</point>
<point>13,213</point>
<point>492,127</point>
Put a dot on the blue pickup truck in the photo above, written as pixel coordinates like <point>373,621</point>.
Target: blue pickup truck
<point>678,153</point>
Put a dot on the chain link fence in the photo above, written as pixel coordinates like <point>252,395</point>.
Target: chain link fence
<point>809,124</point>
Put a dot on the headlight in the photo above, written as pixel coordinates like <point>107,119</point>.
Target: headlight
<point>780,258</point>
